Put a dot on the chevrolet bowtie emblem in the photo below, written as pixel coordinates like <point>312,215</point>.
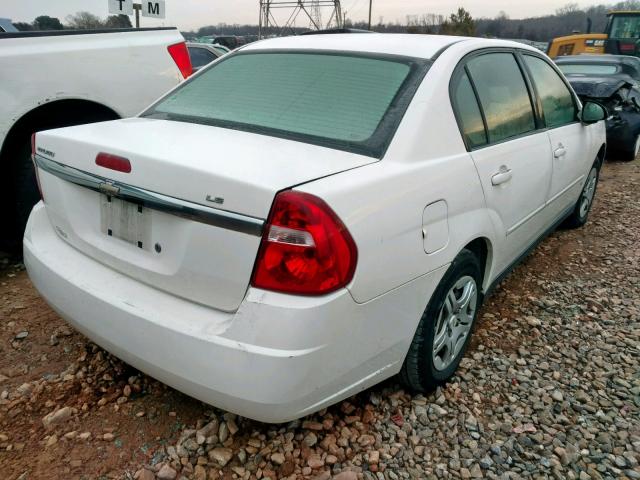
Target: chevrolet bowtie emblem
<point>109,189</point>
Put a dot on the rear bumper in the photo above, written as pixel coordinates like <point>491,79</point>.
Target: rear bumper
<point>277,358</point>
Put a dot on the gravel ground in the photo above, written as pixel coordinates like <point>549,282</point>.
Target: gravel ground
<point>550,388</point>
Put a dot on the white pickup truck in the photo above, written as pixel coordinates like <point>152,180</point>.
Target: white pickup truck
<point>54,79</point>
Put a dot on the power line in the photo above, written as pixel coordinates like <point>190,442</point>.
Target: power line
<point>268,25</point>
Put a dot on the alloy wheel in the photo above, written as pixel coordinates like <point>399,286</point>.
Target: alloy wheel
<point>454,322</point>
<point>588,192</point>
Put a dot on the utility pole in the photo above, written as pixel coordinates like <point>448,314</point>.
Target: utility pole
<point>370,6</point>
<point>137,7</point>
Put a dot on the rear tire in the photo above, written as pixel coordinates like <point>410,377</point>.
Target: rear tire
<point>580,213</point>
<point>445,328</point>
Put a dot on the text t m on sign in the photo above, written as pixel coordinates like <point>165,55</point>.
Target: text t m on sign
<point>153,8</point>
<point>121,7</point>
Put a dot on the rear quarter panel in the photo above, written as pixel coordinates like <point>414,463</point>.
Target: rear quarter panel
<point>382,206</point>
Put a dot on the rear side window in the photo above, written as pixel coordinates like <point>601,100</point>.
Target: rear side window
<point>468,112</point>
<point>503,94</point>
<point>557,102</point>
<point>344,101</point>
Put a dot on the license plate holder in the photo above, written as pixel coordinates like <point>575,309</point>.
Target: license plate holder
<point>125,221</point>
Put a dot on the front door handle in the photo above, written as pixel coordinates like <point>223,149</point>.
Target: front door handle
<point>503,176</point>
<point>559,152</point>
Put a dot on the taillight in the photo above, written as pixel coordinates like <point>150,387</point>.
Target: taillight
<point>35,167</point>
<point>627,47</point>
<point>113,162</point>
<point>306,249</point>
<point>180,55</point>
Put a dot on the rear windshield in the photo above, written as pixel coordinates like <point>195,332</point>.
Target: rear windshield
<point>345,101</point>
<point>587,69</point>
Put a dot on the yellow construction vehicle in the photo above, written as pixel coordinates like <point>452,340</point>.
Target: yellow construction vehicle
<point>621,37</point>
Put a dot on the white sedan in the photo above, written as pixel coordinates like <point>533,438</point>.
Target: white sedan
<point>334,219</point>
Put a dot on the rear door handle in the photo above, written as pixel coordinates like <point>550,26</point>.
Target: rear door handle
<point>503,176</point>
<point>559,152</point>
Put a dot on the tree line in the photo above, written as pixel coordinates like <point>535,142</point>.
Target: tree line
<point>566,20</point>
<point>78,21</point>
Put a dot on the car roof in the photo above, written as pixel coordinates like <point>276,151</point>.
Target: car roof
<point>419,46</point>
<point>208,46</point>
<point>336,31</point>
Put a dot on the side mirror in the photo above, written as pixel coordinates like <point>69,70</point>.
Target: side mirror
<point>592,112</point>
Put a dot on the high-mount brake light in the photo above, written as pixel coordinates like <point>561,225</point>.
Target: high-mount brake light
<point>180,55</point>
<point>113,162</point>
<point>306,249</point>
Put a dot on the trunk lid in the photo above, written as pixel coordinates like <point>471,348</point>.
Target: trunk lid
<point>205,192</point>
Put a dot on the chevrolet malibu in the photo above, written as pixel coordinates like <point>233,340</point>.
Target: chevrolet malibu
<point>335,218</point>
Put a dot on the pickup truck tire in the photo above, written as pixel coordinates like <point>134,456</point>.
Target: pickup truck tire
<point>26,196</point>
<point>25,192</point>
<point>423,370</point>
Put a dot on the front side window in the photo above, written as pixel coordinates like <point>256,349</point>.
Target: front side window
<point>503,95</point>
<point>557,102</point>
<point>468,112</point>
<point>345,101</point>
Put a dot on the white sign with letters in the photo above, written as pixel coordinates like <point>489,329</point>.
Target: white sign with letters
<point>153,8</point>
<point>121,7</point>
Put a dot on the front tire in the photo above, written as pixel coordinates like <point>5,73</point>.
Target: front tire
<point>581,211</point>
<point>446,325</point>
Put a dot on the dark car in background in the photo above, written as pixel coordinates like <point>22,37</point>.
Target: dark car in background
<point>230,41</point>
<point>614,82</point>
<point>7,26</point>
<point>202,54</point>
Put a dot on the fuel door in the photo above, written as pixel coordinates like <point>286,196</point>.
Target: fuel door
<point>435,226</point>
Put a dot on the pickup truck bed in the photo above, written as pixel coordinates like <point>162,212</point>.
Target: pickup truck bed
<point>52,79</point>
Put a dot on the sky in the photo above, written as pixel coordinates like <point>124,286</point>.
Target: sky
<point>191,14</point>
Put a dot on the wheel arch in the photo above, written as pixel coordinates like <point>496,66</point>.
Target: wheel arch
<point>483,249</point>
<point>63,110</point>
